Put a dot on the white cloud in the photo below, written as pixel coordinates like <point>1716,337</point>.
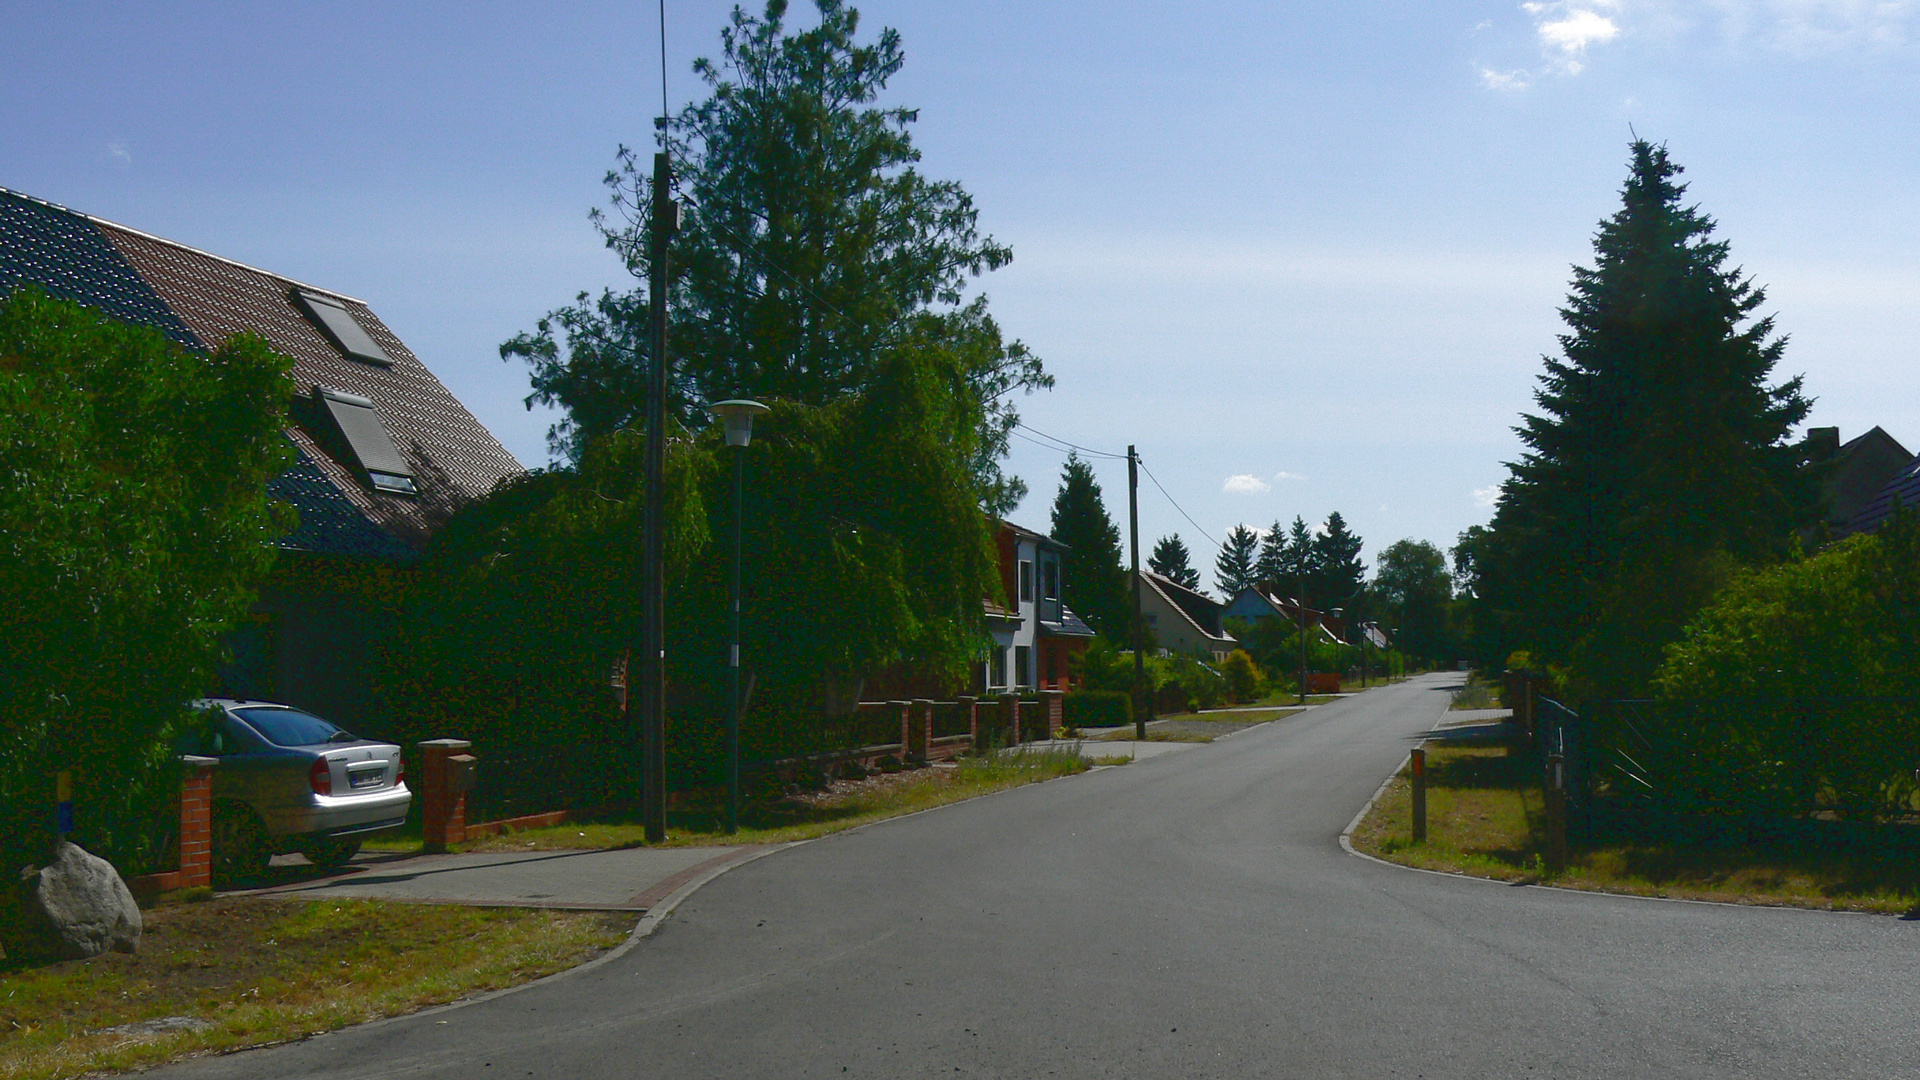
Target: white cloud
<point>1284,476</point>
<point>119,154</point>
<point>1505,80</point>
<point>1486,497</point>
<point>1245,484</point>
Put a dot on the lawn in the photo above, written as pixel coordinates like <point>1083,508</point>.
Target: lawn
<point>1486,817</point>
<point>236,972</point>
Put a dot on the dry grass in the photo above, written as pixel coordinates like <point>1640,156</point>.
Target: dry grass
<point>244,972</point>
<point>803,815</point>
<point>1485,817</point>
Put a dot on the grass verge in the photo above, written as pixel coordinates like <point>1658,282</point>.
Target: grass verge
<point>1486,817</point>
<point>240,972</point>
<point>803,815</point>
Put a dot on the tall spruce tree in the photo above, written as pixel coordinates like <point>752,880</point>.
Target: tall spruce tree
<point>1300,562</point>
<point>1171,560</point>
<point>1096,586</point>
<point>1338,571</point>
<point>1660,454</point>
<point>1233,569</point>
<point>1272,562</point>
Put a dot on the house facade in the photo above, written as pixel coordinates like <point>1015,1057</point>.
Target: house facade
<point>1263,601</point>
<point>1034,634</point>
<point>1184,621</point>
<point>383,453</point>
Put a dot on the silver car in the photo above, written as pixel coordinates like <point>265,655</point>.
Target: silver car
<point>289,781</point>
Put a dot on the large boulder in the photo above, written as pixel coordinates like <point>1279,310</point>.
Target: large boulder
<point>72,908</point>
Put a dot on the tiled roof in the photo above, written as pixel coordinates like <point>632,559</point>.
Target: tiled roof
<point>201,300</point>
<point>63,254</point>
<point>1904,487</point>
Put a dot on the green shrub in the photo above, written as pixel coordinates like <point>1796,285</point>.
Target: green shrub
<point>1242,675</point>
<point>1097,708</point>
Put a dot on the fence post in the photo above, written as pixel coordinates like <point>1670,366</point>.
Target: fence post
<point>196,822</point>
<point>1056,709</point>
<point>1010,717</point>
<point>1556,785</point>
<point>904,709</point>
<point>967,704</point>
<point>1418,757</point>
<point>444,809</point>
<point>919,730</point>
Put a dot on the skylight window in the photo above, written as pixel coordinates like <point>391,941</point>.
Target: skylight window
<point>361,429</point>
<point>341,327</point>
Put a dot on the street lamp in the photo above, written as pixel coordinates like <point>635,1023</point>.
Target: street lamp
<point>737,414</point>
<point>1340,614</point>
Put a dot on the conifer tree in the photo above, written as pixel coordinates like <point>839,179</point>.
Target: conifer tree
<point>1233,570</point>
<point>1171,560</point>
<point>1660,454</point>
<point>1300,561</point>
<point>1096,585</point>
<point>1338,570</point>
<point>1272,562</point>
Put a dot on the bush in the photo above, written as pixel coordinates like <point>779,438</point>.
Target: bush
<point>1242,675</point>
<point>1097,708</point>
<point>135,517</point>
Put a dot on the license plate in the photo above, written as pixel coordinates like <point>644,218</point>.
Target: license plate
<point>368,779</point>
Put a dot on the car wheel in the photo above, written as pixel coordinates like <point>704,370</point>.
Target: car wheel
<point>240,848</point>
<point>330,854</point>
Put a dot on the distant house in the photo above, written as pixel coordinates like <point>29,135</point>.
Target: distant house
<point>1184,621</point>
<point>1035,635</point>
<point>1903,488</point>
<point>1264,601</point>
<point>383,453</point>
<point>1855,473</point>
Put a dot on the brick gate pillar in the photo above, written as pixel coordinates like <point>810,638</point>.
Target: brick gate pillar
<point>196,822</point>
<point>444,807</point>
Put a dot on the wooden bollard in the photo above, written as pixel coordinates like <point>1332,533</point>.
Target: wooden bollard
<point>1419,762</point>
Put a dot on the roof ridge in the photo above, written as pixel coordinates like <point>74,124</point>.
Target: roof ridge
<point>97,220</point>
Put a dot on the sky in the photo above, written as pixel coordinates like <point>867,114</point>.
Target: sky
<point>1307,257</point>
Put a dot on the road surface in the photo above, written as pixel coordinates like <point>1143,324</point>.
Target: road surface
<point>1190,915</point>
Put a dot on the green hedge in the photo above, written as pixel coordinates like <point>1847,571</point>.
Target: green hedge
<point>1097,708</point>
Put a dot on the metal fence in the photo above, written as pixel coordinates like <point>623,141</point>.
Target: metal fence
<point>1801,771</point>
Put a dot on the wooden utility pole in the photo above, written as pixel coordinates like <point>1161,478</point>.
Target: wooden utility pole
<point>1142,694</point>
<point>653,688</point>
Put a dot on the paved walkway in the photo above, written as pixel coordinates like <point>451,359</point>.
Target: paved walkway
<point>628,879</point>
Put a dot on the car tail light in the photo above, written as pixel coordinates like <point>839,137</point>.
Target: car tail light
<point>399,772</point>
<point>320,776</point>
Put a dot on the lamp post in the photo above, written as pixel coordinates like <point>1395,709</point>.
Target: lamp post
<point>1339,613</point>
<point>738,414</point>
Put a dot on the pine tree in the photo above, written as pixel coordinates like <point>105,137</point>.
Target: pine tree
<point>1272,562</point>
<point>1300,562</point>
<point>1660,454</point>
<point>1233,569</point>
<point>1170,560</point>
<point>1096,585</point>
<point>1338,571</point>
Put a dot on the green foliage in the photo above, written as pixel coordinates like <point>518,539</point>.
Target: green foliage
<point>1200,685</point>
<point>1233,568</point>
<point>1272,561</point>
<point>1243,676</point>
<point>1104,666</point>
<point>134,514</point>
<point>1801,682</point>
<point>1171,560</point>
<point>1337,569</point>
<point>1411,586</point>
<point>1097,708</point>
<point>1659,458</point>
<point>1096,585</point>
<point>811,251</point>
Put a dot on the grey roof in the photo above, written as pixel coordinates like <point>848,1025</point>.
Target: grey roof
<point>1903,488</point>
<point>1068,625</point>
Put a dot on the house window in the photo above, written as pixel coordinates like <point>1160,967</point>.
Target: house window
<point>1023,664</point>
<point>1050,579</point>
<point>998,676</point>
<point>1049,659</point>
<point>341,327</point>
<point>356,424</point>
<point>1026,582</point>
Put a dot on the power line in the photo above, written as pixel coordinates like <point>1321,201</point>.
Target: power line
<point>1176,506</point>
<point>1072,446</point>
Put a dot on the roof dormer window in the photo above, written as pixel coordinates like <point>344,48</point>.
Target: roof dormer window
<point>357,425</point>
<point>342,327</point>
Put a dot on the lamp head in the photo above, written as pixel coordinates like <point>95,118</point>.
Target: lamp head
<point>738,414</point>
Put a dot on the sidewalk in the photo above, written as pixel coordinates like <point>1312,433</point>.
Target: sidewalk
<point>628,879</point>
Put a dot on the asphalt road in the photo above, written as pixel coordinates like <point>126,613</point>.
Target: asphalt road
<point>1190,915</point>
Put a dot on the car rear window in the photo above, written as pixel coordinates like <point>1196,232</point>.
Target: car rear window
<point>288,727</point>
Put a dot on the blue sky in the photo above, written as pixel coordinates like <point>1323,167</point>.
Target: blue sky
<point>1306,256</point>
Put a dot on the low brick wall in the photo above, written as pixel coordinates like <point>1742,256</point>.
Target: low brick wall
<point>195,860</point>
